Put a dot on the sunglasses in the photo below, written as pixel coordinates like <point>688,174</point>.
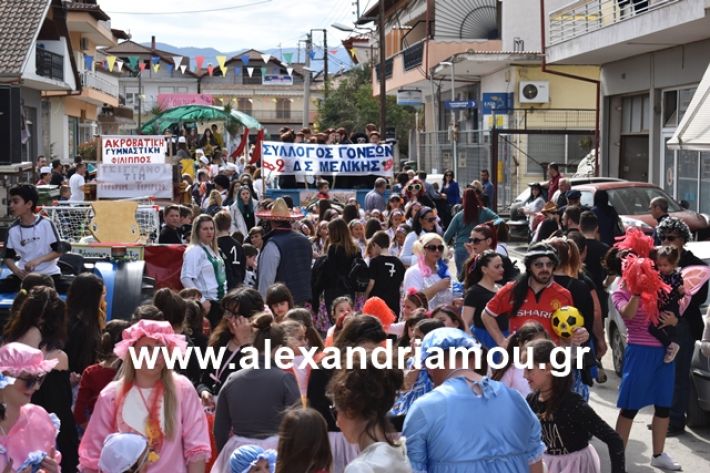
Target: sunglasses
<point>433,248</point>
<point>414,187</point>
<point>476,241</point>
<point>32,381</point>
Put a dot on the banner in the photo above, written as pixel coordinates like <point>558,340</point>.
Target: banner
<point>120,181</point>
<point>300,159</point>
<point>277,79</point>
<point>127,149</point>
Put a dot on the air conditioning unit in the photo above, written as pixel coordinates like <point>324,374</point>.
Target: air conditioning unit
<point>84,44</point>
<point>534,92</point>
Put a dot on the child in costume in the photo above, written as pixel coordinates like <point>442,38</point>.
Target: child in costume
<point>154,402</point>
<point>27,432</point>
<point>667,263</point>
<point>124,453</point>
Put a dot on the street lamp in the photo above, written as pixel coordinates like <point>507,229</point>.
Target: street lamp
<point>454,137</point>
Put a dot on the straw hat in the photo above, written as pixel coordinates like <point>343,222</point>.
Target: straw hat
<point>280,211</point>
<point>550,207</point>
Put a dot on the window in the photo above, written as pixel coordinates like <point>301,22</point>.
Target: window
<point>255,78</point>
<point>635,114</point>
<point>675,103</point>
<point>283,109</point>
<point>245,105</point>
<point>562,149</point>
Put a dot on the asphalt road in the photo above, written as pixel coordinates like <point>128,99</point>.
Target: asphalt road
<point>691,449</point>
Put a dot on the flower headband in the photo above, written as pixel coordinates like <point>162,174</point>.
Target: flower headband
<point>154,329</point>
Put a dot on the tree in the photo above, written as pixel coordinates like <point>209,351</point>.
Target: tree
<point>352,106</point>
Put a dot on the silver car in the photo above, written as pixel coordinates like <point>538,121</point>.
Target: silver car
<point>699,403</point>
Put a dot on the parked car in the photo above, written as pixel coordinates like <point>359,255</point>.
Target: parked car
<point>699,403</point>
<point>631,201</point>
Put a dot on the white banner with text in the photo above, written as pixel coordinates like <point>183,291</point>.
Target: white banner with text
<point>126,149</point>
<point>121,181</point>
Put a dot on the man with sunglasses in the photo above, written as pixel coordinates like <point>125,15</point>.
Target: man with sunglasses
<point>674,232</point>
<point>533,297</point>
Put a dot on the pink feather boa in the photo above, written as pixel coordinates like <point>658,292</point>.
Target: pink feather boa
<point>640,277</point>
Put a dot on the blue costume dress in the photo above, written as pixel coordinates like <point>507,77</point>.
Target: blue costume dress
<point>471,427</point>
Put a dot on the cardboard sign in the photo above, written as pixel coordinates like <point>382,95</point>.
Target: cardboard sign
<point>122,181</point>
<point>300,159</point>
<point>127,149</point>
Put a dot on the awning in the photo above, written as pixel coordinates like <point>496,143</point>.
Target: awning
<point>693,132</point>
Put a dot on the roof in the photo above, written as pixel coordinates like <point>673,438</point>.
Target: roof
<point>255,55</point>
<point>120,34</point>
<point>131,48</point>
<point>693,132</point>
<point>93,9</point>
<point>20,21</point>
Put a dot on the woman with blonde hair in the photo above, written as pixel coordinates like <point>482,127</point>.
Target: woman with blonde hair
<point>430,274</point>
<point>152,401</point>
<point>214,203</point>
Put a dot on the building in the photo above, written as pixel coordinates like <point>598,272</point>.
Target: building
<point>36,56</point>
<point>651,55</point>
<point>477,66</point>
<point>272,92</point>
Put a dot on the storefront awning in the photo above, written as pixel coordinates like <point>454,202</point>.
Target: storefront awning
<point>693,132</point>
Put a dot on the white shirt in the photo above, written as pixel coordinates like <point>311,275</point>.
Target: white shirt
<point>380,457</point>
<point>413,278</point>
<point>30,242</point>
<point>198,272</point>
<point>75,182</point>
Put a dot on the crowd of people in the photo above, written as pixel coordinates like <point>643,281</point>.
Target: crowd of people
<point>423,266</point>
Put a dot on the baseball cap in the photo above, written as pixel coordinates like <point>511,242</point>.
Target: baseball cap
<point>573,194</point>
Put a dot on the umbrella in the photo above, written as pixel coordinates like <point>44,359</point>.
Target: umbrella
<point>197,113</point>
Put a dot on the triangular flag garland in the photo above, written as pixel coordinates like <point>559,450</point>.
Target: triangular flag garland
<point>155,60</point>
<point>111,60</point>
<point>198,61</point>
<point>224,70</point>
<point>156,67</point>
<point>171,68</point>
<point>88,62</point>
<point>237,70</point>
<point>210,69</point>
<point>183,67</point>
<point>141,66</point>
<point>177,60</point>
<point>353,53</point>
<point>263,71</point>
<point>221,60</point>
<point>287,57</point>
<point>245,59</point>
<point>250,71</point>
<point>133,61</point>
<point>290,71</point>
<point>312,54</point>
<point>266,58</point>
<point>333,51</point>
<point>119,65</point>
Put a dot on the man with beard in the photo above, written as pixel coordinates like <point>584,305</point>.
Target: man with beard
<point>533,297</point>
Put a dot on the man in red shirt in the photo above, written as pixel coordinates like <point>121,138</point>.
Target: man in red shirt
<point>534,296</point>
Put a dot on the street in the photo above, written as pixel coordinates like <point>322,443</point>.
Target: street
<point>691,450</point>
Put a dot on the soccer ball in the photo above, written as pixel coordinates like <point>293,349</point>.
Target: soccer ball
<point>566,320</point>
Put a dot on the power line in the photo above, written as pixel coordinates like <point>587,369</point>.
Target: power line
<point>168,12</point>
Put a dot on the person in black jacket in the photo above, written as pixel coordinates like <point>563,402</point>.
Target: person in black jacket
<point>232,252</point>
<point>341,253</point>
<point>170,233</point>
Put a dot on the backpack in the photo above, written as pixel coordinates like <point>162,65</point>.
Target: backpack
<point>359,275</point>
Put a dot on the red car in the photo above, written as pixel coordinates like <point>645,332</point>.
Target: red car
<point>631,201</point>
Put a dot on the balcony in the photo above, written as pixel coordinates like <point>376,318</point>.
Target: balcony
<point>276,115</point>
<point>99,88</point>
<point>602,31</point>
<point>49,64</point>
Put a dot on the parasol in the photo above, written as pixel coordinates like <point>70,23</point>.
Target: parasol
<point>197,113</point>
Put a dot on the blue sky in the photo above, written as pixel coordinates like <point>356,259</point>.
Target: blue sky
<point>259,24</point>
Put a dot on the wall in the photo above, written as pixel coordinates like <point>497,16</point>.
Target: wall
<point>521,19</point>
<point>33,99</point>
<point>59,128</point>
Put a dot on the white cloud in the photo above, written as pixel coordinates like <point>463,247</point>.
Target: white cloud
<point>259,25</point>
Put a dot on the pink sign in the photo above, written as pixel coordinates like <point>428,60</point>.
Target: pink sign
<point>168,101</point>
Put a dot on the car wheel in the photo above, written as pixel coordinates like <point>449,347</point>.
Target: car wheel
<point>617,350</point>
<point>696,416</point>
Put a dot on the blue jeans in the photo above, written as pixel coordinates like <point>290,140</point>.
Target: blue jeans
<point>682,374</point>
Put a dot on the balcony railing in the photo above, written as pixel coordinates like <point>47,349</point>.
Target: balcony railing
<point>388,68</point>
<point>413,56</point>
<point>100,82</point>
<point>586,16</point>
<point>50,65</point>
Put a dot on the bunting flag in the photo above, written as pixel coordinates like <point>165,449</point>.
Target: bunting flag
<point>250,71</point>
<point>210,69</point>
<point>119,65</point>
<point>171,68</point>
<point>242,144</point>
<point>263,71</point>
<point>111,60</point>
<point>156,67</point>
<point>198,61</point>
<point>177,60</point>
<point>312,54</point>
<point>245,59</point>
<point>256,154</point>
<point>88,62</point>
<point>155,60</point>
<point>221,60</point>
<point>183,67</point>
<point>289,70</point>
<point>353,53</point>
<point>141,66</point>
<point>237,70</point>
<point>224,70</point>
<point>266,58</point>
<point>133,61</point>
<point>333,51</point>
<point>287,57</point>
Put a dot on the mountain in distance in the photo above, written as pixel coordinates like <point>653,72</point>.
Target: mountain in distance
<point>336,62</point>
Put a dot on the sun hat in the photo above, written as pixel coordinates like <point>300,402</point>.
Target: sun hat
<point>280,211</point>
<point>247,456</point>
<point>549,207</point>
<point>156,329</point>
<point>121,451</point>
<point>17,359</point>
<point>446,338</point>
<point>34,435</point>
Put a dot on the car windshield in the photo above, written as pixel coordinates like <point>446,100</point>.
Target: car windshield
<point>636,200</point>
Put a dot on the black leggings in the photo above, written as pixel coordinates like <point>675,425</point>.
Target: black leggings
<point>660,412</point>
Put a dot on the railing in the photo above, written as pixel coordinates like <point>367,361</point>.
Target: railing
<point>100,82</point>
<point>586,16</point>
<point>388,68</point>
<point>555,118</point>
<point>49,64</point>
<point>266,115</point>
<point>413,55</point>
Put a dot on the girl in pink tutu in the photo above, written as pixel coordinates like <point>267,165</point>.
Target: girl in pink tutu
<point>155,402</point>
<point>27,433</point>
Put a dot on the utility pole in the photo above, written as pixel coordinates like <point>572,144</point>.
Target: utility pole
<point>140,100</point>
<point>383,88</point>
<point>325,63</point>
<point>307,84</point>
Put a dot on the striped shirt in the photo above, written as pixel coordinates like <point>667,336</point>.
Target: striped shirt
<point>637,327</point>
